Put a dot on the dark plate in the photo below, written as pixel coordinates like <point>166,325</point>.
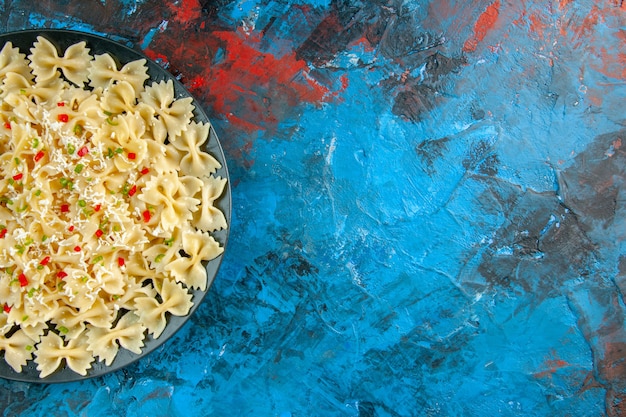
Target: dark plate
<point>100,45</point>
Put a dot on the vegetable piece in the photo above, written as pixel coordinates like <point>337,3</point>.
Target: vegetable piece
<point>23,280</point>
<point>83,151</point>
<point>63,118</point>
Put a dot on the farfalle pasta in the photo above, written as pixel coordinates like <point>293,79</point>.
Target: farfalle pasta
<point>107,207</point>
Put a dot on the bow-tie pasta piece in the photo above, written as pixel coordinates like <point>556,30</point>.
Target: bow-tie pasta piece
<point>210,218</point>
<point>18,349</point>
<point>71,321</point>
<point>119,98</point>
<point>22,107</point>
<point>103,73</point>
<point>195,162</point>
<point>13,62</point>
<point>133,290</point>
<point>176,301</point>
<point>127,333</point>
<point>162,254</point>
<point>168,192</point>
<point>163,158</point>
<point>39,94</point>
<point>45,61</point>
<point>189,269</point>
<point>15,84</point>
<point>75,113</point>
<point>174,114</point>
<point>52,350</point>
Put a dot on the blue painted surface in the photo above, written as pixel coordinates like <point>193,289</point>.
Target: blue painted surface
<point>422,226</point>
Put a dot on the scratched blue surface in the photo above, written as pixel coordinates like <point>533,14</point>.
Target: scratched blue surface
<point>428,216</point>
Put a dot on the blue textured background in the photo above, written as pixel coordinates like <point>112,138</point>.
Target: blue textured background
<point>428,209</point>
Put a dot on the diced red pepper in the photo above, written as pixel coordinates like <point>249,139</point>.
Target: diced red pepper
<point>3,233</point>
<point>83,151</point>
<point>132,155</point>
<point>97,207</point>
<point>63,118</point>
<point>7,125</point>
<point>61,274</point>
<point>7,308</point>
<point>71,228</point>
<point>132,190</point>
<point>18,177</point>
<point>145,171</point>
<point>45,261</point>
<point>146,216</point>
<point>65,208</point>
<point>39,155</point>
<point>23,280</point>
<point>60,104</point>
<point>99,233</point>
<point>77,249</point>
<point>120,261</point>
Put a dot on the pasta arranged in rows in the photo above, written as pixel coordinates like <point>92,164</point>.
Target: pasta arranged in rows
<point>107,206</point>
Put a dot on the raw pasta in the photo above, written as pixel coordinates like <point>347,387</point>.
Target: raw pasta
<point>107,207</point>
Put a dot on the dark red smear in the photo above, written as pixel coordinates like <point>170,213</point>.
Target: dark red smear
<point>486,21</point>
<point>185,11</point>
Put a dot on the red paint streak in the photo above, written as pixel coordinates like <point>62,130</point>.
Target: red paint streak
<point>486,21</point>
<point>186,11</point>
<point>344,82</point>
<point>609,62</point>
<point>537,24</point>
<point>157,57</point>
<point>253,88</point>
<point>591,20</point>
<point>231,73</point>
<point>553,366</point>
<point>612,65</point>
<point>197,83</point>
<point>364,43</point>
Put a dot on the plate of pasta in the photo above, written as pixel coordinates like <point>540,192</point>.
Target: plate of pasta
<point>115,205</point>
